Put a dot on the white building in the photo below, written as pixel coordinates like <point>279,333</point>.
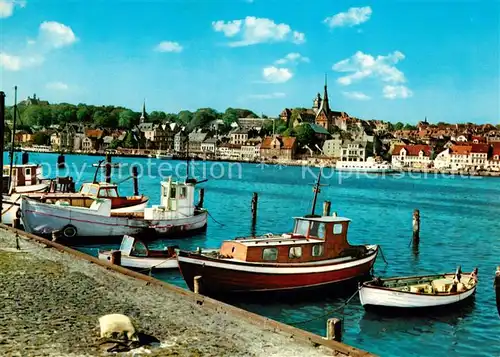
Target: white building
<point>411,156</point>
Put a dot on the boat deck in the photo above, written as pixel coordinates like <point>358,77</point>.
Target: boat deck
<point>51,302</point>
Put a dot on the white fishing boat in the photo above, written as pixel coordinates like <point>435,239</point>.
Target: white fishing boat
<point>177,212</point>
<point>162,155</point>
<point>368,166</point>
<point>71,221</point>
<point>136,254</point>
<point>418,291</point>
<point>25,178</point>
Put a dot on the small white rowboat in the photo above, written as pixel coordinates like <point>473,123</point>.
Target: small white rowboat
<point>418,291</point>
<point>135,254</point>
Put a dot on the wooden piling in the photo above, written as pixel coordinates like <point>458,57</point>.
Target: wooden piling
<point>255,200</point>
<point>326,208</point>
<point>61,161</point>
<point>25,158</point>
<point>116,257</point>
<point>2,131</point>
<point>16,223</point>
<point>416,226</point>
<point>334,329</point>
<point>496,284</point>
<point>108,168</point>
<point>197,284</point>
<point>136,180</point>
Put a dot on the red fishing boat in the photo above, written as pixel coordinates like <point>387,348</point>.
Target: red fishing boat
<point>316,253</point>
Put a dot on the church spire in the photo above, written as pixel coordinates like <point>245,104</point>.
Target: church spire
<point>143,114</point>
<point>326,106</point>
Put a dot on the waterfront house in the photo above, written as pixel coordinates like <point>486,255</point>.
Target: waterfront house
<point>87,144</point>
<point>332,147</point>
<point>55,140</point>
<point>208,146</point>
<point>251,150</point>
<point>160,136</point>
<point>460,157</point>
<point>238,137</point>
<point>479,155</point>
<point>194,141</point>
<point>106,141</point>
<point>443,159</point>
<point>180,141</point>
<point>411,156</point>
<point>494,161</point>
<point>95,136</point>
<point>353,150</point>
<point>278,147</point>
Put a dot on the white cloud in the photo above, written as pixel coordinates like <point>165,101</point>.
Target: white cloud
<point>268,95</point>
<point>394,92</point>
<point>354,16</point>
<point>276,75</point>
<point>15,63</point>
<point>7,7</point>
<point>60,86</point>
<point>169,46</point>
<point>56,35</point>
<point>356,95</point>
<point>253,30</point>
<point>363,66</point>
<point>293,57</point>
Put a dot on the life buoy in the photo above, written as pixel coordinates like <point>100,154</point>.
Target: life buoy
<point>69,231</point>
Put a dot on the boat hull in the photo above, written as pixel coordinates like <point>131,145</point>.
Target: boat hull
<point>41,187</point>
<point>366,170</point>
<point>168,227</point>
<point>142,262</point>
<point>376,298</point>
<point>41,218</point>
<point>227,276</point>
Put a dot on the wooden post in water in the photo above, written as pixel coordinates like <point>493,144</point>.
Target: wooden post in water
<point>326,208</point>
<point>416,226</point>
<point>108,167</point>
<point>61,161</point>
<point>255,200</point>
<point>25,158</point>
<point>136,180</point>
<point>334,329</point>
<point>496,284</point>
<point>197,284</point>
<point>116,257</point>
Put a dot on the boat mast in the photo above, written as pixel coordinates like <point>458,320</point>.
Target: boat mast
<point>316,190</point>
<point>13,138</point>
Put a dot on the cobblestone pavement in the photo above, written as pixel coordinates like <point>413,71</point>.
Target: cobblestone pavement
<point>51,301</point>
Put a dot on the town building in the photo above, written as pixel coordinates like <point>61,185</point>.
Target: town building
<point>411,156</point>
<point>208,146</point>
<point>250,151</point>
<point>195,140</point>
<point>278,148</point>
<point>238,137</point>
<point>180,141</point>
<point>332,147</point>
<point>254,123</point>
<point>353,150</point>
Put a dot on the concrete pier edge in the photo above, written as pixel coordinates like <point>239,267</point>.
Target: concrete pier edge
<point>203,301</point>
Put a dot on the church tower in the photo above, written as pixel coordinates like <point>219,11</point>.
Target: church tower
<point>326,105</point>
<point>143,114</point>
<point>323,115</point>
<point>316,103</point>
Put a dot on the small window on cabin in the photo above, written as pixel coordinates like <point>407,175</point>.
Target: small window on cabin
<point>270,254</point>
<point>337,229</point>
<point>301,227</point>
<point>317,250</point>
<point>317,230</point>
<point>93,190</point>
<point>27,171</point>
<point>140,250</point>
<point>183,192</point>
<point>85,189</point>
<point>295,252</point>
<point>172,192</point>
<point>14,172</point>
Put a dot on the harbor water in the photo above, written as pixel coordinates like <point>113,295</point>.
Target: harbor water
<point>459,226</point>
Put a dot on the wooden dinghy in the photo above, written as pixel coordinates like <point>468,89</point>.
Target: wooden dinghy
<point>418,291</point>
<point>135,254</point>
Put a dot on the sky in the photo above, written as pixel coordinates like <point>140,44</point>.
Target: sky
<point>388,60</point>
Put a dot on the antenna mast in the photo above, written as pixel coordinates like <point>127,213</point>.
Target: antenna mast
<point>13,138</point>
<point>316,190</point>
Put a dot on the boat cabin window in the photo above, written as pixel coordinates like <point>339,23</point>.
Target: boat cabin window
<point>317,250</point>
<point>270,254</point>
<point>108,192</point>
<point>5,171</point>
<point>295,252</point>
<point>84,189</point>
<point>27,172</point>
<point>183,192</point>
<point>317,230</point>
<point>337,228</point>
<point>92,190</point>
<point>173,192</point>
<point>140,249</point>
<point>301,227</point>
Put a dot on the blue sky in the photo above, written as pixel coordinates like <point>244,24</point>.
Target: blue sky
<point>388,60</point>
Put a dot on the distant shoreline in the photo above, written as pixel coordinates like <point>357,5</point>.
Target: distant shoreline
<point>433,171</point>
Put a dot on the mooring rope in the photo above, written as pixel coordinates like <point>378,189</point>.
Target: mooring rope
<point>221,224</point>
<point>383,256</point>
<point>329,312</point>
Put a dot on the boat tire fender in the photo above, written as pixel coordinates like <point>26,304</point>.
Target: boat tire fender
<point>69,231</point>
<point>19,213</point>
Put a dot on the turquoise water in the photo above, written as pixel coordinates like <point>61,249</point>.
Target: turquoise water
<point>459,226</point>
